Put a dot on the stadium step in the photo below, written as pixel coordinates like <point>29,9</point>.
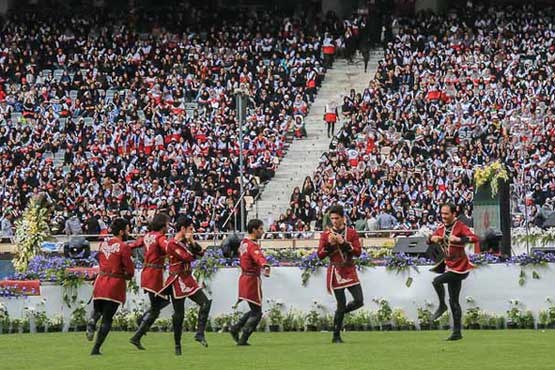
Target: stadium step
<point>303,156</point>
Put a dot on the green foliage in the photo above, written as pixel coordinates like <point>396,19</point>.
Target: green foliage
<point>30,231</point>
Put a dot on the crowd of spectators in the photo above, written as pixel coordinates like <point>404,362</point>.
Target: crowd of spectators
<point>452,93</point>
<point>114,113</point>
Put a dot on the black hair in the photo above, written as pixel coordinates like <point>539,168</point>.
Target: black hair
<point>118,225</point>
<point>337,209</point>
<point>183,221</point>
<point>159,221</point>
<point>452,207</point>
<point>253,225</point>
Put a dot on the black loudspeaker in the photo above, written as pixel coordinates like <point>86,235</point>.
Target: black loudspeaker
<point>416,246</point>
<point>77,247</point>
<point>230,245</point>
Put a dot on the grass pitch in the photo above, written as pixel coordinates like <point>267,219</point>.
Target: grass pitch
<point>479,350</point>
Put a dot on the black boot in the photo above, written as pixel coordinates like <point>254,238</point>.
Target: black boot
<point>91,328</point>
<point>178,350</point>
<point>250,327</point>
<point>204,311</point>
<point>440,291</point>
<point>235,330</point>
<point>147,321</point>
<point>337,326</point>
<point>457,314</point>
<point>439,312</point>
<point>100,337</point>
<point>91,325</point>
<point>177,332</point>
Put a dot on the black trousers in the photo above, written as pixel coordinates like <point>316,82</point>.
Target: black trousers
<point>344,308</point>
<point>248,322</point>
<point>331,129</point>
<point>454,284</point>
<point>179,313</point>
<point>157,303</point>
<point>106,310</point>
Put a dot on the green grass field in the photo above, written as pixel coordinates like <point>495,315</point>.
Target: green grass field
<point>480,350</point>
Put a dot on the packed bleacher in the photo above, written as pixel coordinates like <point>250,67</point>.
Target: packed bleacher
<point>452,93</point>
<point>115,113</point>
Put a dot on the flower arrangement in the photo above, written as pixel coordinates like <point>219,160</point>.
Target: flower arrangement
<point>30,231</point>
<point>483,259</point>
<point>310,264</point>
<point>401,262</point>
<point>537,259</point>
<point>492,174</point>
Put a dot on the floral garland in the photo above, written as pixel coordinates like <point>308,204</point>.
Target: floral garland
<point>534,235</point>
<point>491,174</point>
<point>31,230</point>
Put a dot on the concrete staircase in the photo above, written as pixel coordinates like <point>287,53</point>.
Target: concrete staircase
<point>303,155</point>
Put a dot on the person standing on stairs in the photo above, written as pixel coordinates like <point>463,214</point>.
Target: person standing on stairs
<point>330,117</point>
<point>182,250</point>
<point>341,243</point>
<point>252,262</point>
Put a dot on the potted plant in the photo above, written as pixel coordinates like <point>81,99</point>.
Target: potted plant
<point>484,320</point>
<point>326,322</point>
<point>56,323</point>
<point>349,322</point>
<point>262,325</point>
<point>550,315</point>
<point>424,318</point>
<point>500,322</point>
<point>312,320</point>
<point>220,322</point>
<point>162,324</point>
<point>543,319</point>
<point>288,322</point>
<point>191,319</point>
<point>399,319</point>
<point>4,319</point>
<point>373,320</point>
<point>514,315</point>
<point>445,321</point>
<point>25,325</point>
<point>16,325</point>
<point>119,322</point>
<point>362,320</point>
<point>275,316</point>
<point>78,319</point>
<point>528,321</point>
<point>471,319</point>
<point>384,313</point>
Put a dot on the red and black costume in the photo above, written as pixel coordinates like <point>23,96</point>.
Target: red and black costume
<point>181,284</point>
<point>252,261</point>
<point>454,268</point>
<point>342,273</point>
<point>152,280</point>
<point>116,266</point>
